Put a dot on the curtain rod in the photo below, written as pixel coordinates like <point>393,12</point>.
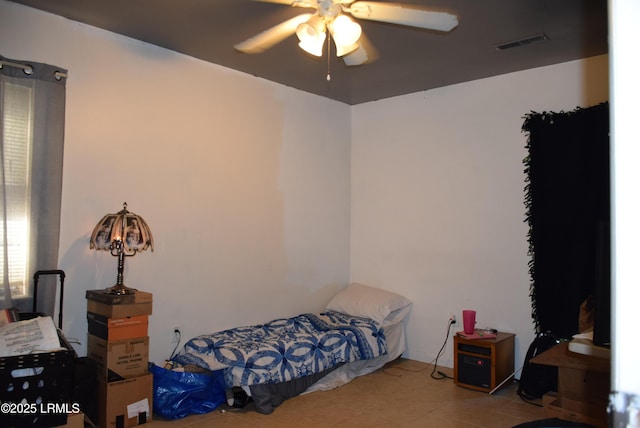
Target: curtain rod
<point>28,69</point>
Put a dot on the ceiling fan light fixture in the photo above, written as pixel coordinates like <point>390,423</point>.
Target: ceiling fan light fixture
<point>345,31</point>
<point>311,35</point>
<point>313,45</point>
<point>345,50</point>
<point>310,29</point>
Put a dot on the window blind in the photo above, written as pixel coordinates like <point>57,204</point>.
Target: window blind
<point>17,124</point>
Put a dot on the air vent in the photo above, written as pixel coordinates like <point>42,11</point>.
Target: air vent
<point>522,42</point>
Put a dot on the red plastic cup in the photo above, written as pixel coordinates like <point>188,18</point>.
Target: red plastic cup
<point>469,321</point>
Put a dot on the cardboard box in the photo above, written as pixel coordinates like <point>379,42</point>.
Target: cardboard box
<point>594,414</point>
<point>125,403</point>
<point>583,385</point>
<point>118,328</point>
<point>120,359</point>
<point>74,420</point>
<point>119,311</point>
<point>549,398</point>
<point>115,299</point>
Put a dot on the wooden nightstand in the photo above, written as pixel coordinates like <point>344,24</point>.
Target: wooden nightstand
<point>483,364</point>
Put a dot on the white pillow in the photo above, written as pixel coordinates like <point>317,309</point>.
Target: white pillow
<point>360,300</point>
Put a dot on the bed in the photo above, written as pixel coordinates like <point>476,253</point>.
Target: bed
<point>361,329</point>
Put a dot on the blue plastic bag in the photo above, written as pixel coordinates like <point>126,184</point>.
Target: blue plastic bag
<point>179,394</point>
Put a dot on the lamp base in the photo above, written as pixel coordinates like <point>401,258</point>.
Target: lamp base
<point>120,290</point>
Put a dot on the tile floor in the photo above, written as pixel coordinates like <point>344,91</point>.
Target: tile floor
<point>402,394</point>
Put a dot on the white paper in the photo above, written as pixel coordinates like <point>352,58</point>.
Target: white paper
<point>134,409</point>
<point>588,335</point>
<point>29,336</point>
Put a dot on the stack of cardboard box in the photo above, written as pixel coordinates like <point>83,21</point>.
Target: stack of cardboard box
<point>119,344</point>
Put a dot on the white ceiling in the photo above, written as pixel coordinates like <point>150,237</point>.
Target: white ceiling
<point>408,59</point>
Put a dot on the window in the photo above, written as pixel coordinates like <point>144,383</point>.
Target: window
<point>17,127</point>
<point>32,111</point>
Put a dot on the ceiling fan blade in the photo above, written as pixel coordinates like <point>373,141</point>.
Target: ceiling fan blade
<point>403,15</point>
<point>272,36</point>
<point>357,57</point>
<point>300,3</point>
<point>366,53</point>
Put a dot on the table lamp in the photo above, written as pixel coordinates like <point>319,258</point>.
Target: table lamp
<point>123,234</point>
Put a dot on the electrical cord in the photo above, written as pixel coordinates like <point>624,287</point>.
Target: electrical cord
<point>179,334</point>
<point>441,374</point>
<point>386,370</point>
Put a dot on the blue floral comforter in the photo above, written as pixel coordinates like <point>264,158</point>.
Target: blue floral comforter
<point>285,349</point>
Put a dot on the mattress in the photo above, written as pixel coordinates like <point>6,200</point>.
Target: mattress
<point>361,330</point>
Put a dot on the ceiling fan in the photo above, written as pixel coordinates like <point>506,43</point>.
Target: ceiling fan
<point>332,15</point>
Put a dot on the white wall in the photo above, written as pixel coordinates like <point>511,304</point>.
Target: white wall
<point>438,197</point>
<point>244,186</point>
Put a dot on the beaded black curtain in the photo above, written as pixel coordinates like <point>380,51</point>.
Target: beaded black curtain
<point>567,201</point>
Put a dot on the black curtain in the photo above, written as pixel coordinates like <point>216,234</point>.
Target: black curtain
<point>567,198</point>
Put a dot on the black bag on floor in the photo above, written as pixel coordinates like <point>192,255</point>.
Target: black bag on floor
<point>85,387</point>
<point>538,379</point>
